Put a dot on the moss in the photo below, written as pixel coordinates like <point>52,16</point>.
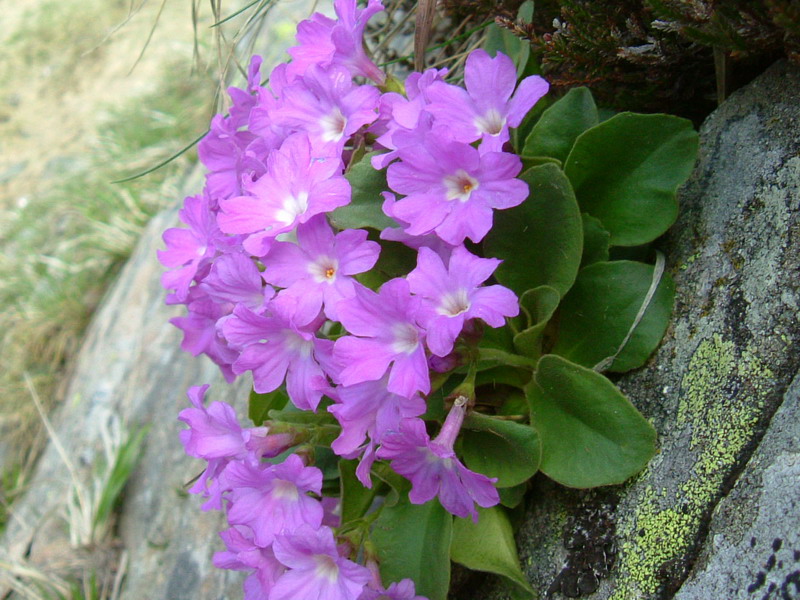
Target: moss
<point>728,246</point>
<point>723,393</point>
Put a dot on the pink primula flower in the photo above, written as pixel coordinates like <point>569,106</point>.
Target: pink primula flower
<point>297,186</point>
<point>385,335</point>
<point>325,41</point>
<point>242,554</point>
<point>327,106</point>
<point>190,250</point>
<point>451,189</point>
<point>225,152</point>
<point>200,335</point>
<point>273,499</point>
<point>215,435</point>
<point>274,347</point>
<point>235,279</point>
<point>318,270</point>
<point>403,120</point>
<point>453,295</point>
<point>316,571</point>
<point>487,108</point>
<point>214,431</point>
<point>369,410</point>
<point>433,468</point>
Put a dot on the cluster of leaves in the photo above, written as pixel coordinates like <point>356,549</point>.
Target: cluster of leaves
<point>654,55</point>
<point>600,191</point>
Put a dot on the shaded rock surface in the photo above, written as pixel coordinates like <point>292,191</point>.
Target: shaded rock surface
<point>716,513</point>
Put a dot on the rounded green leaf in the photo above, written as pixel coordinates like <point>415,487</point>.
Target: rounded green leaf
<point>513,496</point>
<point>556,131</point>
<point>541,240</point>
<point>538,305</point>
<point>413,540</point>
<point>591,434</point>
<point>488,545</point>
<point>625,172</point>
<point>499,448</point>
<point>596,241</point>
<point>364,209</point>
<point>601,308</point>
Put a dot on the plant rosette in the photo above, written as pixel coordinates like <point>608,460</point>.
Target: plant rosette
<point>426,286</point>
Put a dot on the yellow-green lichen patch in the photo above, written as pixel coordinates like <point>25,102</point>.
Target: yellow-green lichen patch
<point>689,261</point>
<point>722,396</point>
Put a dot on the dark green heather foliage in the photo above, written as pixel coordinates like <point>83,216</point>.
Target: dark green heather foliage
<point>677,56</point>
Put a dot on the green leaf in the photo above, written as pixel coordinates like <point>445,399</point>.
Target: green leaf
<point>399,486</point>
<point>591,434</point>
<point>595,241</point>
<point>513,496</point>
<point>356,499</point>
<point>541,240</point>
<point>328,462</point>
<point>600,309</point>
<point>514,402</point>
<point>560,125</point>
<point>364,209</point>
<point>488,545</point>
<point>491,357</point>
<point>259,405</point>
<point>499,448</point>
<point>626,172</point>
<point>538,304</point>
<point>395,260</point>
<point>525,12</point>
<point>503,375</point>
<point>413,541</point>
<point>501,338</point>
<point>528,162</point>
<point>502,40</point>
<point>290,414</point>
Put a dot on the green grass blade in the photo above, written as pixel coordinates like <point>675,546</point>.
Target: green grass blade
<point>125,461</point>
<point>238,12</point>
<point>165,162</point>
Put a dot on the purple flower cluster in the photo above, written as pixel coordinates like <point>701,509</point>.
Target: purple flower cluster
<point>279,532</point>
<point>266,280</point>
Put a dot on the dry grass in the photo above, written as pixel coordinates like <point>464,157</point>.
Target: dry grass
<point>72,120</point>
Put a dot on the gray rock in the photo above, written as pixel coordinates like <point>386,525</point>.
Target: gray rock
<point>753,546</point>
<point>711,391</point>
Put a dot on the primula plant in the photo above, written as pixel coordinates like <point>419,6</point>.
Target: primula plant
<point>426,282</point>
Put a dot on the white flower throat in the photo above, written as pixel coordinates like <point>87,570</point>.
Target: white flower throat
<point>406,338</point>
<point>333,125</point>
<point>491,122</point>
<point>323,269</point>
<point>454,303</point>
<point>460,185</point>
<point>293,206</point>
